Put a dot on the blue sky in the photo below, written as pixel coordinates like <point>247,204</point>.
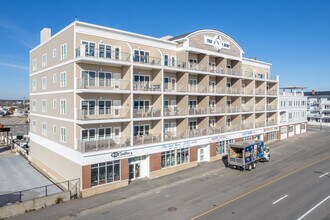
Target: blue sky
<point>293,35</point>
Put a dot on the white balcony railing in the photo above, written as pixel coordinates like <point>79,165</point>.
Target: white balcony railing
<point>102,114</point>
<point>97,145</point>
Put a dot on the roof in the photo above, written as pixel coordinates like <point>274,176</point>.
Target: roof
<point>293,87</point>
<point>316,93</point>
<point>181,36</point>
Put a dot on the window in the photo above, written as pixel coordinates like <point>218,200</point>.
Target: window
<point>54,78</point>
<point>141,105</point>
<point>34,85</point>
<point>290,128</point>
<point>105,107</point>
<point>174,157</point>
<point>44,106</point>
<point>105,133</point>
<point>63,134</point>
<point>44,129</point>
<point>34,105</point>
<point>34,125</point>
<point>63,79</point>
<point>44,60</point>
<point>104,79</point>
<point>63,106</point>
<point>89,48</point>
<point>222,146</point>
<point>34,65</point>
<point>104,51</point>
<point>54,53</point>
<point>166,59</point>
<point>54,103</point>
<point>88,135</point>
<point>43,83</point>
<point>88,78</point>
<point>88,107</point>
<point>283,130</point>
<point>140,130</point>
<point>141,56</point>
<point>192,125</point>
<point>64,52</point>
<point>117,53</point>
<point>54,129</point>
<point>107,172</point>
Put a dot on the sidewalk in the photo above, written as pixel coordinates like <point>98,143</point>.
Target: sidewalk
<point>136,188</point>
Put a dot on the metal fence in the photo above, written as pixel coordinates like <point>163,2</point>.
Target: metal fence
<point>71,186</point>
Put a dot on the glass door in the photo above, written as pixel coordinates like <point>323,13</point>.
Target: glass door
<point>134,171</point>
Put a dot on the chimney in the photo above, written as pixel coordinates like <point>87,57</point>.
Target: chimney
<point>45,34</point>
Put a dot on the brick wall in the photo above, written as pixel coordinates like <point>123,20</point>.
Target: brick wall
<point>213,150</point>
<point>86,177</point>
<point>155,160</point>
<point>193,154</point>
<point>124,169</point>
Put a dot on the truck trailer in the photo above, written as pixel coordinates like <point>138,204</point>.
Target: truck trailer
<point>246,154</point>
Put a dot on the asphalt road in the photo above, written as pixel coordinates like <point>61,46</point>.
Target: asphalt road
<point>293,175</point>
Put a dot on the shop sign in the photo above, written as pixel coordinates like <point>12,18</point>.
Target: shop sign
<point>166,147</point>
<point>122,154</point>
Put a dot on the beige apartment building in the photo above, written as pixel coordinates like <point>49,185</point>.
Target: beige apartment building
<point>110,106</point>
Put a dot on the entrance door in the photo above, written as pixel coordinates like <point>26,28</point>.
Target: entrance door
<point>116,80</point>
<point>116,107</point>
<point>134,171</point>
<point>116,134</point>
<point>173,84</point>
<point>172,107</point>
<point>201,154</point>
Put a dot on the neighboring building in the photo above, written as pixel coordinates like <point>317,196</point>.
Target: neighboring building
<point>292,111</point>
<point>318,107</point>
<point>110,106</point>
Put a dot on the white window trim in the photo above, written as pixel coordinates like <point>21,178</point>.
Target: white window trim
<point>63,113</point>
<point>44,107</point>
<point>61,135</point>
<point>34,125</point>
<point>34,64</point>
<point>66,51</point>
<point>65,84</point>
<point>54,78</point>
<point>54,53</point>
<point>34,85</point>
<point>44,60</point>
<point>44,83</point>
<point>34,105</point>
<point>54,129</point>
<point>44,131</point>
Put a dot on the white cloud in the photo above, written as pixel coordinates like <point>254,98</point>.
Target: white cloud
<point>13,65</point>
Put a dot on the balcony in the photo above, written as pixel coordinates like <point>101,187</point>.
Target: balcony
<point>199,89</point>
<point>234,109</point>
<point>104,84</point>
<point>272,92</point>
<point>245,91</point>
<point>260,124</point>
<point>231,90</point>
<point>246,126</point>
<point>146,86</point>
<point>197,111</point>
<point>260,108</point>
<point>175,111</point>
<point>107,114</point>
<point>217,110</point>
<point>101,54</point>
<point>145,59</point>
<point>147,113</point>
<point>146,139</point>
<point>271,107</point>
<point>97,145</point>
<point>260,92</point>
<point>271,123</point>
<point>247,109</point>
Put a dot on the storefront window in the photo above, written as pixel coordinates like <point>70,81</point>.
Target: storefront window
<point>222,146</point>
<point>290,128</point>
<point>105,172</point>
<point>303,126</point>
<point>174,157</point>
<point>283,130</point>
<point>272,135</point>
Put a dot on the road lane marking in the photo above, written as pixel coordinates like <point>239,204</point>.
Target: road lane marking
<point>314,208</point>
<point>324,175</point>
<point>280,199</point>
<point>260,187</point>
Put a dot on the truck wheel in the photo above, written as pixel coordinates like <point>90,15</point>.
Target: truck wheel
<point>254,165</point>
<point>249,167</point>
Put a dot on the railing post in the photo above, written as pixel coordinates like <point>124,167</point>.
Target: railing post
<point>20,196</point>
<point>46,190</point>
